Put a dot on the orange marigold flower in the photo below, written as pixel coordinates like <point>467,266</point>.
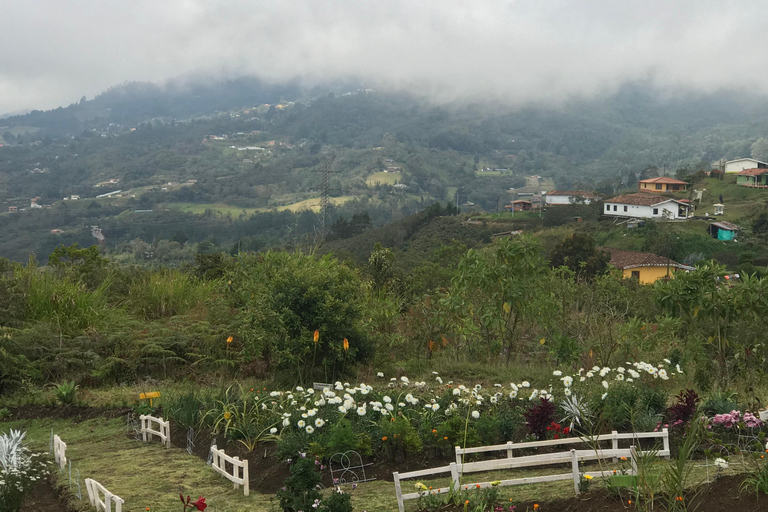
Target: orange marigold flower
<point>316,336</point>
<point>535,506</point>
<point>445,438</point>
<point>229,339</point>
<point>477,485</point>
<point>384,438</point>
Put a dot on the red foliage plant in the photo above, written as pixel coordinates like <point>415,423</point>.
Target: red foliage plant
<point>540,417</point>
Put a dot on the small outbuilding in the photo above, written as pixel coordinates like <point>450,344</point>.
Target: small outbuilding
<point>723,230</point>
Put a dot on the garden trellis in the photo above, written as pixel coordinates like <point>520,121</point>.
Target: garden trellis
<point>96,490</point>
<point>239,474</point>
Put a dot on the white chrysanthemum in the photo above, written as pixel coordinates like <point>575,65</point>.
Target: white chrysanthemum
<point>590,374</point>
<point>513,386</point>
<point>310,429</point>
<point>319,422</point>
<point>361,411</point>
<point>299,388</point>
<point>286,422</point>
<point>582,379</point>
<point>386,399</point>
<point>380,374</point>
<point>567,391</point>
<point>439,380</point>
<point>404,379</point>
<point>435,407</point>
<point>604,395</point>
<point>456,391</point>
<point>663,374</point>
<point>475,414</point>
<point>389,407</point>
<point>311,412</point>
<point>513,394</point>
<point>342,410</point>
<point>273,430</point>
<point>525,384</point>
<point>567,381</point>
<point>721,463</point>
<point>302,424</point>
<point>494,399</point>
<point>557,373</point>
<point>619,377</point>
<point>620,369</point>
<point>605,384</point>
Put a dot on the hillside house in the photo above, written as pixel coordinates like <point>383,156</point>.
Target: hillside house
<point>13,209</point>
<point>644,266</point>
<point>520,205</point>
<point>723,230</point>
<point>753,178</point>
<point>570,197</point>
<point>662,185</point>
<point>647,206</point>
<point>740,164</point>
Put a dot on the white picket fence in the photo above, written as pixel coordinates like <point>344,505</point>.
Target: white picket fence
<point>163,432</point>
<point>614,437</point>
<point>96,490</point>
<point>59,452</point>
<point>456,469</point>
<point>239,474</point>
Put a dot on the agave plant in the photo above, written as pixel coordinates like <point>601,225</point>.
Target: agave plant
<point>12,453</point>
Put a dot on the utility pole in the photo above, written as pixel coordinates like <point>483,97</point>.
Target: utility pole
<point>324,191</point>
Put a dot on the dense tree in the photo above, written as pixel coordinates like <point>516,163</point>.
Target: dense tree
<point>579,253</point>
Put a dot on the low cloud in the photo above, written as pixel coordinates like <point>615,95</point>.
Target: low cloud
<point>520,52</point>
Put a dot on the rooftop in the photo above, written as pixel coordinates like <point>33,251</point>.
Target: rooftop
<point>624,260</point>
<point>752,172</point>
<point>664,179</point>
<point>641,199</point>
<point>726,226</point>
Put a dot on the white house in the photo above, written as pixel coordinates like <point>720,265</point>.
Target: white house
<point>570,197</point>
<point>646,206</point>
<point>740,164</point>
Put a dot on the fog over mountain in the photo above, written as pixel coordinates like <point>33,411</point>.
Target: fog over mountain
<point>520,52</point>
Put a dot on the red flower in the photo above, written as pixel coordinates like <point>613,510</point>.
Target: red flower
<point>557,436</point>
<point>566,430</point>
<point>200,504</point>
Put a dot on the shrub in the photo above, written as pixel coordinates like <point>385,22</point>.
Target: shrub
<point>540,416</point>
<point>684,408</point>
<point>300,490</point>
<point>165,293</point>
<point>19,470</point>
<point>66,392</point>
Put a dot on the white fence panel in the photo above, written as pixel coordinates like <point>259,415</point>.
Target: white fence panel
<point>96,490</point>
<point>573,457</point>
<point>59,452</point>
<point>163,431</point>
<point>219,459</point>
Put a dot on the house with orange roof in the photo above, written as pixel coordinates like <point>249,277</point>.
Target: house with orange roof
<point>753,178</point>
<point>662,185</point>
<point>644,266</point>
<point>643,205</point>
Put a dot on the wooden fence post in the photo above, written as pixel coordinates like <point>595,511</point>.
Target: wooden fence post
<point>458,458</point>
<point>246,490</point>
<point>665,439</point>
<point>615,444</point>
<point>575,469</point>
<point>455,484</point>
<point>633,457</point>
<point>509,450</point>
<point>398,492</point>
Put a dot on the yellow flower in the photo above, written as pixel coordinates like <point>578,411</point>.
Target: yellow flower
<point>496,483</point>
<point>346,344</point>
<point>420,486</point>
<point>229,340</point>
<point>316,336</point>
<point>588,477</point>
<point>227,415</point>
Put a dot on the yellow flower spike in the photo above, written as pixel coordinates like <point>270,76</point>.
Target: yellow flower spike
<point>316,336</point>
<point>345,344</point>
<point>229,340</point>
<point>227,415</point>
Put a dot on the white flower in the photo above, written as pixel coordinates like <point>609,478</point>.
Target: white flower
<point>513,394</point>
<point>630,379</point>
<point>475,414</point>
<point>456,391</point>
<point>567,381</point>
<point>319,422</point>
<point>494,399</point>
<point>534,395</point>
<point>435,407</point>
<point>604,395</point>
<point>663,374</point>
<point>390,407</point>
<point>310,429</point>
<point>619,376</point>
<point>557,373</point>
<point>342,410</point>
<point>525,384</point>
<point>299,388</point>
<point>677,367</point>
<point>310,391</point>
<point>567,391</point>
<point>590,374</point>
<point>301,423</point>
<point>513,386</point>
<point>439,380</point>
<point>273,430</point>
<point>605,384</point>
<point>404,379</point>
<point>620,369</point>
<point>387,399</point>
<point>582,379</point>
<point>721,463</point>
<point>380,374</point>
<point>361,411</point>
<point>400,404</point>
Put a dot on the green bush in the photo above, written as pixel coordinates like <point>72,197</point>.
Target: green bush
<point>166,293</point>
<point>66,392</point>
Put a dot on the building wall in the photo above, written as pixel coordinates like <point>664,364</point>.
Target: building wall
<point>564,200</point>
<point>644,212</point>
<point>649,275</point>
<point>740,165</point>
<point>665,187</point>
<point>757,180</point>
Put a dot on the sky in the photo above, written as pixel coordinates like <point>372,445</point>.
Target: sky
<point>53,52</point>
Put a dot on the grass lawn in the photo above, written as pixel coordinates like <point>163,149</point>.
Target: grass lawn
<point>383,178</point>
<point>219,207</point>
<point>739,201</point>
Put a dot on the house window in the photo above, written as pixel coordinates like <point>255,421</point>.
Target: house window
<point>675,187</point>
<point>625,208</point>
<point>655,211</point>
<point>607,207</point>
<point>636,274</point>
<point>615,208</point>
<point>658,186</point>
